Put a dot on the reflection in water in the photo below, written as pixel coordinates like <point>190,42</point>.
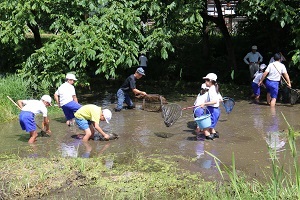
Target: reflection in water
<point>274,138</point>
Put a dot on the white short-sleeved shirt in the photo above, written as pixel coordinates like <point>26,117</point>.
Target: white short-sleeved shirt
<point>35,106</point>
<point>201,99</point>
<point>257,77</point>
<point>213,96</point>
<point>65,92</point>
<point>275,70</point>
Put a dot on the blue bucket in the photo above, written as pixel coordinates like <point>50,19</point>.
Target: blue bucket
<point>203,121</point>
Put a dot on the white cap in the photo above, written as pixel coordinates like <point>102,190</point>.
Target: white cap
<point>107,115</point>
<point>254,47</point>
<point>203,86</point>
<point>262,66</point>
<point>211,76</point>
<point>71,76</point>
<point>47,98</point>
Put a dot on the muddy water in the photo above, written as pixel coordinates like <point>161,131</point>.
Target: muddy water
<point>246,132</point>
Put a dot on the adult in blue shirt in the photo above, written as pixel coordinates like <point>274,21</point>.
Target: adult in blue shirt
<point>129,85</point>
<point>253,59</point>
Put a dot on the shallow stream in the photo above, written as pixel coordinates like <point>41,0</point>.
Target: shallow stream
<point>247,132</point>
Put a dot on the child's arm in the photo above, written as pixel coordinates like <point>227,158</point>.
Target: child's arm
<point>97,127</point>
<point>20,104</point>
<point>46,123</point>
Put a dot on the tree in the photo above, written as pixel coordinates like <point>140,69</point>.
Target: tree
<point>108,37</point>
<point>286,13</point>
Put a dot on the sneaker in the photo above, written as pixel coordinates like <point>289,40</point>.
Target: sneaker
<point>216,135</point>
<point>210,137</point>
<point>130,107</point>
<point>117,110</point>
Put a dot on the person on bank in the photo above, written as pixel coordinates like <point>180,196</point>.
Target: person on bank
<point>253,59</point>
<point>129,85</point>
<point>65,97</point>
<point>88,117</point>
<point>273,74</point>
<point>29,108</point>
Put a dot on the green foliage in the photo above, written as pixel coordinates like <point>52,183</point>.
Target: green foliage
<point>95,37</point>
<point>15,87</point>
<point>284,13</point>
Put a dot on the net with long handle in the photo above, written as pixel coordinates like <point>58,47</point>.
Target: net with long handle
<point>228,104</point>
<point>295,93</point>
<point>171,113</point>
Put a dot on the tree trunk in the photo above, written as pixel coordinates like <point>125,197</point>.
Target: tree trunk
<point>220,22</point>
<point>37,36</point>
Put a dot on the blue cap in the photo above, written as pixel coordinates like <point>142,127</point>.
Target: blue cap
<point>141,71</point>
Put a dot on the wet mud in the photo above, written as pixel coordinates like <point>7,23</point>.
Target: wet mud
<point>246,133</point>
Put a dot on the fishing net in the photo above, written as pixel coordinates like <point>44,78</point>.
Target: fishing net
<point>228,104</point>
<point>153,102</point>
<point>295,93</point>
<point>170,113</point>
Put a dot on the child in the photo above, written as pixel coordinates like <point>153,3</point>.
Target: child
<point>212,103</point>
<point>28,110</point>
<point>255,86</point>
<point>201,98</point>
<point>87,118</point>
<point>65,98</point>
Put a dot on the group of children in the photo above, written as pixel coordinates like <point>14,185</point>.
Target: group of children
<point>87,117</point>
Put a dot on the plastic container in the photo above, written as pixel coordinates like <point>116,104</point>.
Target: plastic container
<point>204,121</point>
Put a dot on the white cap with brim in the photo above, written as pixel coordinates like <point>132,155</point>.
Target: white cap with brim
<point>71,77</point>
<point>254,47</point>
<point>47,98</point>
<point>107,115</point>
<point>262,66</point>
<point>211,76</point>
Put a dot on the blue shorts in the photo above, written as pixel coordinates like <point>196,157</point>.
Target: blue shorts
<point>27,122</point>
<point>198,111</point>
<point>255,89</point>
<point>215,114</point>
<point>272,88</point>
<point>83,124</point>
<point>70,108</point>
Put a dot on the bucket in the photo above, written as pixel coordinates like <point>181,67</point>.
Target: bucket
<point>203,121</point>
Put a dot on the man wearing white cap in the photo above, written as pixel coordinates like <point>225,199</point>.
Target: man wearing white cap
<point>253,59</point>
<point>87,118</point>
<point>65,97</point>
<point>127,86</point>
<point>29,108</point>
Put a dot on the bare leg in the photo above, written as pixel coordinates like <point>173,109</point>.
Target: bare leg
<point>33,136</point>
<point>268,98</point>
<point>89,133</point>
<point>273,102</point>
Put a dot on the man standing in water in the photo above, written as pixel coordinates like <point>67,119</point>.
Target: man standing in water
<point>127,86</point>
<point>273,73</point>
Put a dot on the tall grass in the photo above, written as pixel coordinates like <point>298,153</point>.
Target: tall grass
<point>15,87</point>
<point>282,184</point>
